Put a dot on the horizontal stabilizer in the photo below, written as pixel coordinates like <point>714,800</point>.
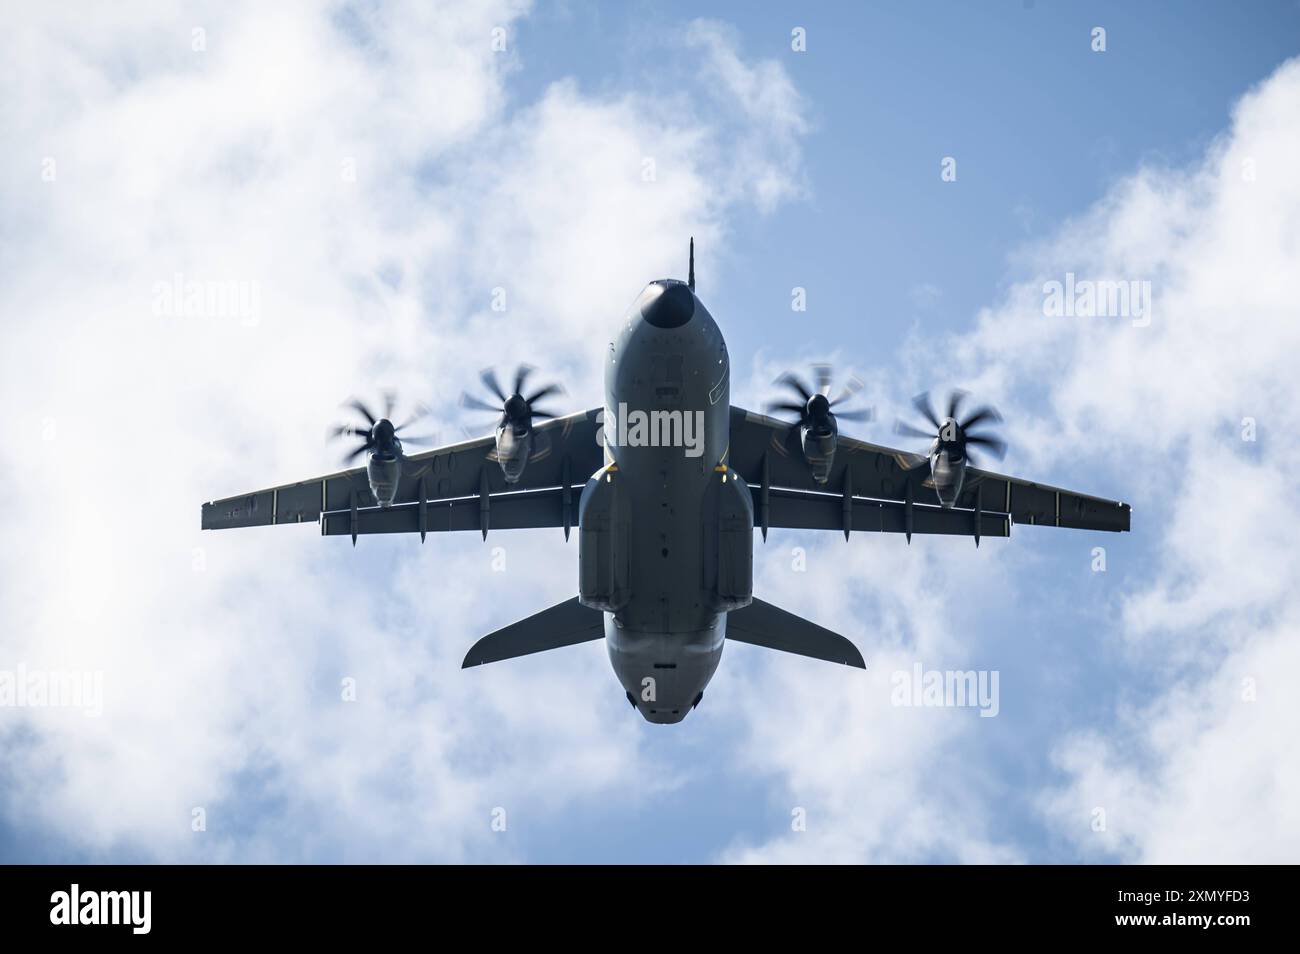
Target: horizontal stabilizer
<point>563,624</point>
<point>763,624</point>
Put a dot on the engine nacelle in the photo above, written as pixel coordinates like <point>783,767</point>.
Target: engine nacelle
<point>384,472</point>
<point>948,472</point>
<point>818,442</point>
<point>514,446</point>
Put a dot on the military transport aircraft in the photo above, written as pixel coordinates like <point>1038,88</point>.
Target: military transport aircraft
<point>666,484</point>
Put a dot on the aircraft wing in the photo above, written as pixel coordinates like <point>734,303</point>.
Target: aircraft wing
<point>887,490</point>
<point>456,487</point>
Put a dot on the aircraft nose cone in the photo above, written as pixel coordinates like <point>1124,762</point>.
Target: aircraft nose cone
<point>667,305</point>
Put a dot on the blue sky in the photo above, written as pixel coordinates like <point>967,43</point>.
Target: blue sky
<point>1040,125</point>
<point>222,653</point>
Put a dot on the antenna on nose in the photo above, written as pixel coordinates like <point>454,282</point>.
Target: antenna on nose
<point>690,279</point>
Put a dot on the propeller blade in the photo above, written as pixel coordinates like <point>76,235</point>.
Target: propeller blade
<point>862,414</point>
<point>955,397</point>
<point>907,430</point>
<point>355,403</point>
<point>347,430</point>
<point>478,404</point>
<point>544,392</point>
<point>521,375</point>
<point>356,453</point>
<point>421,440</point>
<point>851,387</point>
<point>489,378</point>
<point>995,445</point>
<point>520,380</point>
<point>790,381</point>
<point>922,403</point>
<point>983,414</point>
<point>418,414</point>
<point>390,399</point>
<point>789,406</point>
<point>822,374</point>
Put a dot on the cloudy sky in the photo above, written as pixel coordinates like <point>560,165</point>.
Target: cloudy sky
<point>374,177</point>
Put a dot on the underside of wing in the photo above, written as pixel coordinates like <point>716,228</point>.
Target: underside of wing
<point>871,487</point>
<point>456,487</point>
<point>1030,503</point>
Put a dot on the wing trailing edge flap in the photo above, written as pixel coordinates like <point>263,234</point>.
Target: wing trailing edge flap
<point>523,510</point>
<point>564,624</point>
<point>801,510</point>
<point>762,624</point>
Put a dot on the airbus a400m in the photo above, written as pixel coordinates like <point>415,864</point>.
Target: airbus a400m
<point>666,505</point>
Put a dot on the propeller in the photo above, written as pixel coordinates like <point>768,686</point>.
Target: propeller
<point>378,434</point>
<point>814,407</point>
<point>516,408</point>
<point>952,431</point>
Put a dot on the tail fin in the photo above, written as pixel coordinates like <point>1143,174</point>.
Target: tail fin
<point>762,624</point>
<point>563,624</point>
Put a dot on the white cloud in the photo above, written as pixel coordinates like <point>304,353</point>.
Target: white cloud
<point>878,782</point>
<point>773,118</point>
<point>1200,773</point>
<point>222,683</point>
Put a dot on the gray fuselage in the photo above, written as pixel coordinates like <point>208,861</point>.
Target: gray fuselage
<point>666,530</point>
